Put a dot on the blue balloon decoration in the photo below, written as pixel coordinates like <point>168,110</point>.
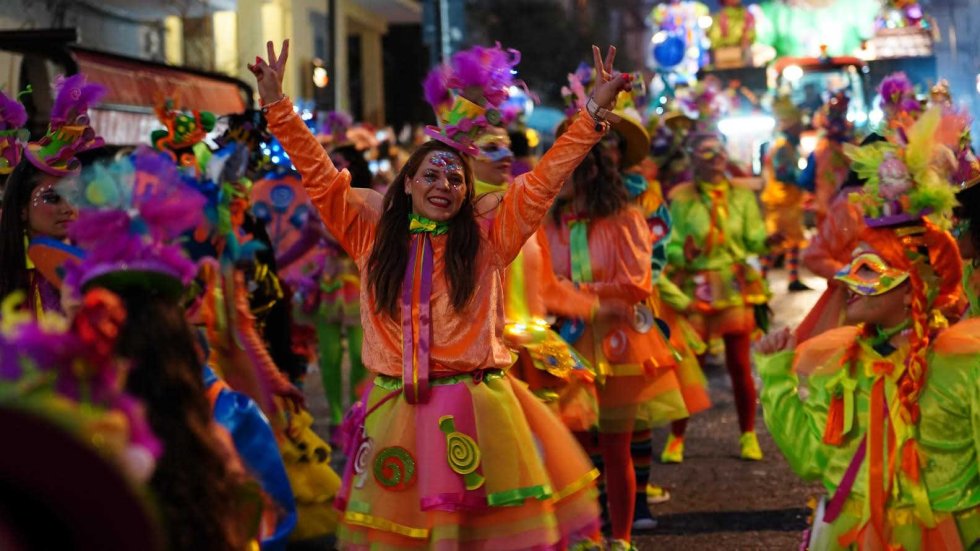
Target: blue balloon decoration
<point>670,52</point>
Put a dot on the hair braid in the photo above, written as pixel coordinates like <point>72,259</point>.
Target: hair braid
<point>937,246</point>
<point>910,385</point>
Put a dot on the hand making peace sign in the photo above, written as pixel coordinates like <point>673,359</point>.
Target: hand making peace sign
<point>608,82</point>
<point>268,76</point>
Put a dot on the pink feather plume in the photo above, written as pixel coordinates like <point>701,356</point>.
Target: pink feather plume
<point>12,113</point>
<point>73,98</point>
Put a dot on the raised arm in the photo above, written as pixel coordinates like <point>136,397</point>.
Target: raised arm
<point>530,196</point>
<point>350,215</point>
<point>795,425</point>
<point>528,199</point>
<point>836,237</point>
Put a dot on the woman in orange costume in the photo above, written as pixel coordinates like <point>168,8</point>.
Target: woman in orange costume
<point>603,244</point>
<point>443,446</point>
<point>830,250</point>
<point>669,304</point>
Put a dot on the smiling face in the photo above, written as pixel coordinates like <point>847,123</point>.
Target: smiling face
<point>48,213</point>
<point>438,188</point>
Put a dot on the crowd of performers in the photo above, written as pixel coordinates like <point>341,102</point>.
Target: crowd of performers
<point>513,333</point>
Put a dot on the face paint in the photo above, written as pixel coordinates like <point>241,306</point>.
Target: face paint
<point>46,195</point>
<point>495,153</point>
<point>446,161</point>
<point>869,275</point>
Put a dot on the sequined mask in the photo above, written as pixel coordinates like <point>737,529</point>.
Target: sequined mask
<point>494,148</point>
<point>869,275</point>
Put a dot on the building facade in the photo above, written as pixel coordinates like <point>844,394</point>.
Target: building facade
<point>337,55</point>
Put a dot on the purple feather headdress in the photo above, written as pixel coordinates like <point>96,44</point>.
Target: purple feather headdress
<point>336,124</point>
<point>435,87</point>
<point>13,115</point>
<point>73,97</point>
<point>68,132</point>
<point>131,215</point>
<point>466,92</point>
<point>484,73</point>
<point>13,136</point>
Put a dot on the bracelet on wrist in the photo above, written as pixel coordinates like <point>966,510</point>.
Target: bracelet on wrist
<point>597,113</point>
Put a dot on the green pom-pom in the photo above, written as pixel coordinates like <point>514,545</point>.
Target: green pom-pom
<point>208,120</point>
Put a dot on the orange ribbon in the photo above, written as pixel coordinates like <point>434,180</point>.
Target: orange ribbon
<point>719,213</point>
<point>877,490</point>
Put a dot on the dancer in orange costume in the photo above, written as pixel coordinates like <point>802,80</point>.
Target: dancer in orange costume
<point>443,445</point>
<point>783,195</point>
<point>603,244</point>
<point>551,367</point>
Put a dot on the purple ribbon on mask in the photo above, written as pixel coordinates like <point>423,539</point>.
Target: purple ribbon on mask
<point>415,356</point>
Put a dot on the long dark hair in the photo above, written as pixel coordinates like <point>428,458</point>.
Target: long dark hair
<point>360,171</point>
<point>599,182</point>
<point>16,197</point>
<point>197,495</point>
<point>389,256</point>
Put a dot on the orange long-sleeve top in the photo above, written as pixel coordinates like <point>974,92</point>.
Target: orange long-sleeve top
<point>461,341</point>
<point>532,288</point>
<point>620,247</point>
<point>558,294</point>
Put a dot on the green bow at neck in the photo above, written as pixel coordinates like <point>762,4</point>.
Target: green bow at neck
<point>880,341</point>
<point>421,224</point>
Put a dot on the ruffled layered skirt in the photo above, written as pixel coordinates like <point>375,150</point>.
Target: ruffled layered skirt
<point>482,465</point>
<point>685,345</point>
<point>637,377</point>
<point>724,300</point>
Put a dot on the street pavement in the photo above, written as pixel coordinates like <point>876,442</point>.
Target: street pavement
<point>717,500</point>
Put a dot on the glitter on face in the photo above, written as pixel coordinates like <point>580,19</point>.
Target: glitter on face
<point>446,161</point>
<point>442,164</point>
<point>45,194</point>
